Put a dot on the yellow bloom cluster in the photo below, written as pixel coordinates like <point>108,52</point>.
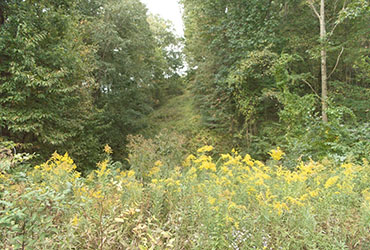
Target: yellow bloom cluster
<point>108,149</point>
<point>205,149</point>
<point>277,154</point>
<point>331,181</point>
<point>220,195</point>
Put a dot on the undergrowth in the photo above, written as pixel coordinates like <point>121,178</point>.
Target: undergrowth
<point>203,202</point>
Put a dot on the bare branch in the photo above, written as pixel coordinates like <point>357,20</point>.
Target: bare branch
<point>336,64</point>
<point>338,22</point>
<point>309,85</point>
<point>310,3</point>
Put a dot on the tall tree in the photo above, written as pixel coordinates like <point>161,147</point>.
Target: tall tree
<point>167,60</point>
<point>324,80</point>
<point>44,74</point>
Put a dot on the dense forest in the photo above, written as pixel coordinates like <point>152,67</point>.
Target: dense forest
<point>76,75</point>
<point>250,132</point>
<point>265,74</point>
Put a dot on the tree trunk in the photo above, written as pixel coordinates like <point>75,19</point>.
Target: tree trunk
<point>2,17</point>
<point>324,80</point>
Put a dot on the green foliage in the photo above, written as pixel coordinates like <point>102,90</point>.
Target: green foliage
<point>166,147</point>
<point>253,77</point>
<point>134,64</point>
<point>168,59</point>
<point>76,75</point>
<point>256,73</point>
<point>44,91</point>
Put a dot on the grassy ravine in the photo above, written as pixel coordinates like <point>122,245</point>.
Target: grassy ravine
<point>179,116</point>
<point>178,113</point>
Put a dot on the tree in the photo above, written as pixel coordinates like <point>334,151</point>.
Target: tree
<point>253,61</point>
<point>132,65</point>
<point>324,80</point>
<point>167,60</point>
<point>44,74</point>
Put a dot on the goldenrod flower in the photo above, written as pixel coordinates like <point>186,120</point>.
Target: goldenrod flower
<point>276,154</point>
<point>211,200</point>
<point>102,168</point>
<point>205,149</point>
<point>130,173</point>
<point>280,207</point>
<point>154,181</point>
<point>158,163</point>
<point>314,193</point>
<point>75,221</point>
<point>153,171</point>
<point>108,149</point>
<point>331,181</point>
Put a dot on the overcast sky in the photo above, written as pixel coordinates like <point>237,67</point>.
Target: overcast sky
<point>168,9</point>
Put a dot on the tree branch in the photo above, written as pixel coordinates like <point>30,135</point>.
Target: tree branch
<point>336,64</point>
<point>338,22</point>
<point>312,88</point>
<point>310,3</point>
<point>2,18</point>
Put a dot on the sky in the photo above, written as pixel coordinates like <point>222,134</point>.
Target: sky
<point>167,9</point>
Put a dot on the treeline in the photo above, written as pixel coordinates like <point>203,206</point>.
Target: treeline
<point>260,69</point>
<point>79,74</point>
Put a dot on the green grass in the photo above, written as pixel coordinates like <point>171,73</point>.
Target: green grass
<point>178,114</point>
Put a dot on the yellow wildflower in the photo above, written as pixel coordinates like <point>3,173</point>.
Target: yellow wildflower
<point>97,194</point>
<point>331,181</point>
<point>276,154</point>
<point>279,207</point>
<point>108,149</point>
<point>158,163</point>
<point>294,201</point>
<point>225,156</point>
<point>225,169</point>
<point>154,181</point>
<point>229,219</point>
<point>314,193</point>
<point>102,168</point>
<point>211,200</point>
<point>75,221</point>
<point>192,170</point>
<point>77,175</point>
<point>348,169</point>
<point>260,182</point>
<point>248,160</point>
<point>203,158</point>
<point>153,171</point>
<point>208,165</point>
<point>130,173</point>
<point>205,149</point>
<point>188,160</point>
